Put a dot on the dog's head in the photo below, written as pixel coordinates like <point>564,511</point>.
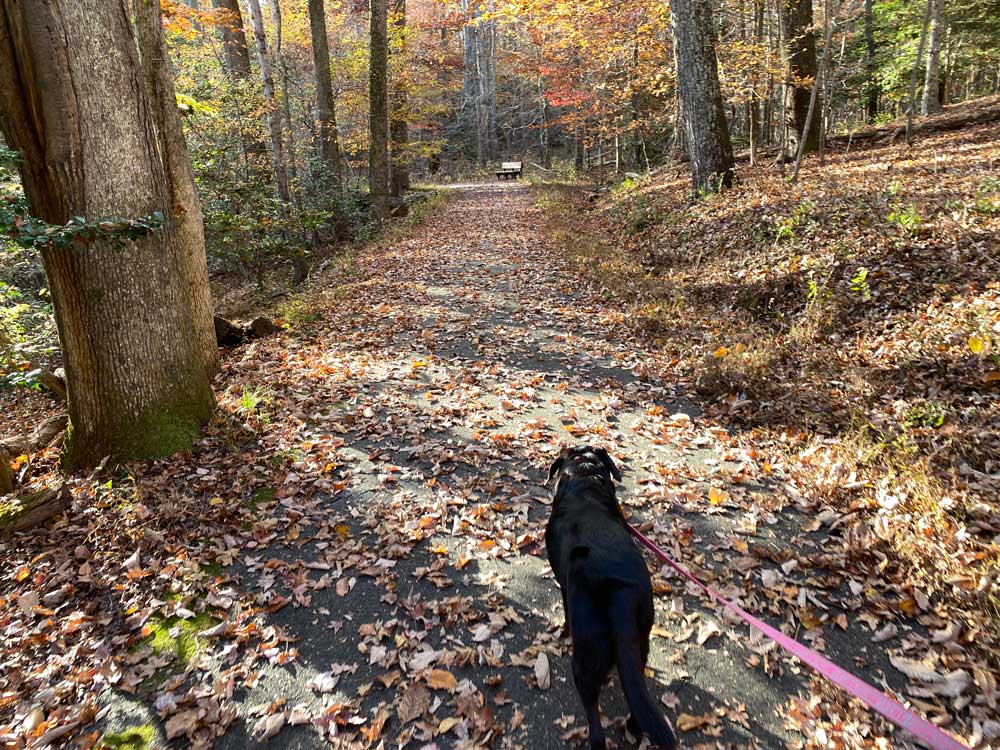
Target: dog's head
<point>585,460</point>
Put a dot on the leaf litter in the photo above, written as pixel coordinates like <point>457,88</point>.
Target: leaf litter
<point>362,529</point>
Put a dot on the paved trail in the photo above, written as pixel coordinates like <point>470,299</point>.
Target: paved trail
<point>442,378</point>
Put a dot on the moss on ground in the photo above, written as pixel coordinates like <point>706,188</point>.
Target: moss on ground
<point>178,636</point>
<point>133,738</point>
<point>261,496</point>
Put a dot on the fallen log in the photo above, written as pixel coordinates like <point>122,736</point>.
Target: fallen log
<point>41,437</point>
<point>30,510</point>
<point>230,334</point>
<point>53,382</point>
<point>227,334</point>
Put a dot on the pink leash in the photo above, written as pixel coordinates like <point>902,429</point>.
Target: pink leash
<point>876,699</point>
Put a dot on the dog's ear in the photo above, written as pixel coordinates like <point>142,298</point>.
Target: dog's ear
<point>556,466</point>
<point>602,454</point>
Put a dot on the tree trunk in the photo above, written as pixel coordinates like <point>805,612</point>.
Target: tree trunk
<point>814,96</point>
<point>234,39</point>
<point>70,69</point>
<point>753,105</point>
<point>155,60</point>
<point>912,97</point>
<point>399,177</point>
<point>273,115</point>
<point>378,114</point>
<point>328,140</point>
<point>705,128</point>
<point>799,51</point>
<point>931,101</point>
<point>237,65</point>
<point>871,85</point>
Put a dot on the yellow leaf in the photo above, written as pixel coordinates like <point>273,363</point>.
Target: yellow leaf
<point>447,724</point>
<point>342,530</point>
<point>721,352</point>
<point>717,496</point>
<point>976,344</point>
<point>216,501</point>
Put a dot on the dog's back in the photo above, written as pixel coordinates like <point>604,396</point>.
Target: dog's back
<point>586,531</point>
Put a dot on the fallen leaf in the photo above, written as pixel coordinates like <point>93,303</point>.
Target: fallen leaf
<point>542,674</point>
<point>441,679</point>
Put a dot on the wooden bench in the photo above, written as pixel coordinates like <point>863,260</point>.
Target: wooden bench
<point>509,170</point>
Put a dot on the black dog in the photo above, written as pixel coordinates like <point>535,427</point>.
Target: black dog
<point>606,590</point>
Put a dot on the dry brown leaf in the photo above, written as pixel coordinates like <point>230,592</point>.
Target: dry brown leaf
<point>542,674</point>
<point>441,679</point>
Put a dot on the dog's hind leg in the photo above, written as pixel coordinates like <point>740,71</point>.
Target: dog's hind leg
<point>632,649</point>
<point>593,658</point>
<point>589,674</point>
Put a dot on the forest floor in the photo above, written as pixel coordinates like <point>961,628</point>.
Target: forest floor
<point>354,550</point>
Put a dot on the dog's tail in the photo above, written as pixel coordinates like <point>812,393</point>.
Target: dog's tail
<point>625,605</point>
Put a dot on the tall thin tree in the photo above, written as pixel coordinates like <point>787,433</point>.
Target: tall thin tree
<point>912,97</point>
<point>399,176</point>
<point>378,113</point>
<point>872,89</point>
<point>273,114</point>
<point>236,60</point>
<point>706,131</point>
<point>325,107</point>
<point>931,100</point>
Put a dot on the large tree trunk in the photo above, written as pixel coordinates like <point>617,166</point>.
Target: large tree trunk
<point>706,131</point>
<point>328,142</point>
<point>378,115</point>
<point>74,102</point>
<point>273,108</point>
<point>155,60</point>
<point>931,101</point>
<point>399,177</point>
<point>799,50</point>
